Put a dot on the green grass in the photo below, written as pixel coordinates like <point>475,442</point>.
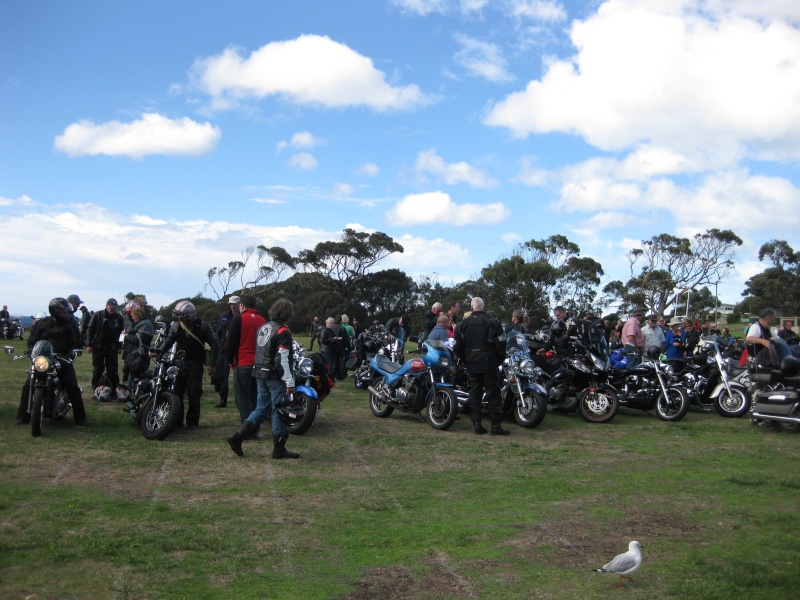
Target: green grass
<point>390,508</point>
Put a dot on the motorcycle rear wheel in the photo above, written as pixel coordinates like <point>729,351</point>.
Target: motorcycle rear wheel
<point>598,405</point>
<point>733,405</point>
<point>674,407</point>
<point>786,427</point>
<point>299,415</point>
<point>442,408</point>
<point>163,415</point>
<point>37,412</point>
<point>376,404</point>
<point>532,411</point>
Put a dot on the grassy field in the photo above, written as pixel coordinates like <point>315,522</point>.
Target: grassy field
<point>390,508</point>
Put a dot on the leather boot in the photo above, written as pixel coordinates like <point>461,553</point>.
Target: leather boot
<point>235,439</point>
<point>279,447</point>
<point>223,402</point>
<point>497,429</point>
<point>478,428</point>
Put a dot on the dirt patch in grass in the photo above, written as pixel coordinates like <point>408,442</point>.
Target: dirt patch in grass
<point>397,581</point>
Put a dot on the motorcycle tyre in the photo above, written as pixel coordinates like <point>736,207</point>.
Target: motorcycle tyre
<point>443,395</point>
<point>37,412</point>
<point>538,414</point>
<point>681,412</point>
<point>170,423</point>
<point>375,404</point>
<point>739,412</point>
<point>786,427</point>
<point>608,415</point>
<point>298,426</point>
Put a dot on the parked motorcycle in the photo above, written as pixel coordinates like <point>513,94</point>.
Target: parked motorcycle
<point>707,379</point>
<point>777,402</point>
<point>578,380</point>
<point>312,385</point>
<point>370,344</point>
<point>419,384</point>
<point>521,390</point>
<point>651,385</point>
<point>47,398</point>
<point>154,402</point>
<point>11,329</point>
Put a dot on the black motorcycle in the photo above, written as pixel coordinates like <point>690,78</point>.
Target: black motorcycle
<point>11,329</point>
<point>777,401</point>
<point>47,398</point>
<point>707,377</point>
<point>578,378</point>
<point>370,344</point>
<point>652,385</point>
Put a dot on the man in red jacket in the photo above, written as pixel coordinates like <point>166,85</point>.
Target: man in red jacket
<point>241,346</point>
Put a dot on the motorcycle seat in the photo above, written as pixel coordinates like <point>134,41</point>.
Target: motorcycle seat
<point>387,365</point>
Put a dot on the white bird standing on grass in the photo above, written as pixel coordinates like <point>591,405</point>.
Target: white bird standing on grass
<point>626,563</point>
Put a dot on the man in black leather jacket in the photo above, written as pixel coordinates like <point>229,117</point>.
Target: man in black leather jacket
<point>480,344</point>
<point>102,339</point>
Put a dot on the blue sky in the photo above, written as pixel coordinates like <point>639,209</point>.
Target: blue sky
<point>142,143</point>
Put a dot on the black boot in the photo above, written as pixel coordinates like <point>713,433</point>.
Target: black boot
<point>223,402</point>
<point>497,429</point>
<point>279,447</point>
<point>478,428</point>
<point>235,439</point>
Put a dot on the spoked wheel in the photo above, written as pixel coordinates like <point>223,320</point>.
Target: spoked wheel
<point>37,411</point>
<point>378,407</point>
<point>735,404</point>
<point>298,415</point>
<point>162,416</point>
<point>674,406</point>
<point>598,405</point>
<point>531,410</point>
<point>442,408</point>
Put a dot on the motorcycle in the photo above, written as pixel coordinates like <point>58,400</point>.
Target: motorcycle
<point>370,344</point>
<point>12,329</point>
<point>312,386</point>
<point>578,380</point>
<point>707,379</point>
<point>47,398</point>
<point>419,384</point>
<point>651,385</point>
<point>778,400</point>
<point>154,402</point>
<point>521,390</point>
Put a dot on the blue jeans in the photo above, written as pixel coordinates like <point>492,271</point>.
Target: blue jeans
<point>270,393</point>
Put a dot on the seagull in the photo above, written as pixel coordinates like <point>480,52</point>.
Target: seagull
<point>626,563</point>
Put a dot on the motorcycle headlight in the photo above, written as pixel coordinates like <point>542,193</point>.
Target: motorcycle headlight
<point>599,363</point>
<point>41,364</point>
<point>528,368</point>
<point>444,361</point>
<point>172,372</point>
<point>304,367</point>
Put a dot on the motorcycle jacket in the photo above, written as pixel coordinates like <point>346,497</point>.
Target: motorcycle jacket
<point>104,330</point>
<point>480,342</point>
<point>241,342</point>
<point>274,353</point>
<point>64,337</point>
<point>195,340</point>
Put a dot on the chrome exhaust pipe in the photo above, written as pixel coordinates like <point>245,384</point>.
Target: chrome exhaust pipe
<point>757,415</point>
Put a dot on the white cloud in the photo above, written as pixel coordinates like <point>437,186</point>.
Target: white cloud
<point>671,74</point>
<point>437,208</point>
<point>302,139</point>
<point>482,59</point>
<point>422,7</point>
<point>369,169</point>
<point>308,70</point>
<point>422,255</point>
<point>152,134</point>
<point>342,189</point>
<point>303,161</point>
<point>23,200</point>
<point>274,201</point>
<point>538,10</point>
<point>428,161</point>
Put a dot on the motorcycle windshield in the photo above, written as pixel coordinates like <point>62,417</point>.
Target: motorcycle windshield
<point>42,348</point>
<point>516,343</point>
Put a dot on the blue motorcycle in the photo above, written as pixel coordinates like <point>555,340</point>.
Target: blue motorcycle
<point>419,384</point>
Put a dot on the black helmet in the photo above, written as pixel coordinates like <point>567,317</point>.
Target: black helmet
<point>60,309</point>
<point>790,366</point>
<point>184,309</point>
<point>654,351</point>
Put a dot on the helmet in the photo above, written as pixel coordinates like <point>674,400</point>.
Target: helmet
<point>184,310</point>
<point>558,328</point>
<point>790,366</point>
<point>654,351</point>
<point>60,309</point>
<point>40,315</point>
<point>103,393</point>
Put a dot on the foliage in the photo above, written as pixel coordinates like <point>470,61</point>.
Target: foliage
<point>256,273</point>
<point>778,286</point>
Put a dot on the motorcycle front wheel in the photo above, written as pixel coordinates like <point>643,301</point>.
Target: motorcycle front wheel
<point>674,406</point>
<point>733,405</point>
<point>442,408</point>
<point>299,414</point>
<point>531,410</point>
<point>37,411</point>
<point>163,415</point>
<point>378,407</point>
<point>598,405</point>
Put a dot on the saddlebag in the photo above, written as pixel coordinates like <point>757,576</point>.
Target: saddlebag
<point>776,402</point>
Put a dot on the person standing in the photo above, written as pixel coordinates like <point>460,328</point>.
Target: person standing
<point>314,332</point>
<point>275,380</point>
<point>196,338</point>
<point>140,334</point>
<point>241,349</point>
<point>653,334</point>
<point>480,345</point>
<point>516,322</point>
<point>440,332</point>
<point>103,342</point>
<point>222,370</point>
<point>429,319</point>
<point>632,337</point>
